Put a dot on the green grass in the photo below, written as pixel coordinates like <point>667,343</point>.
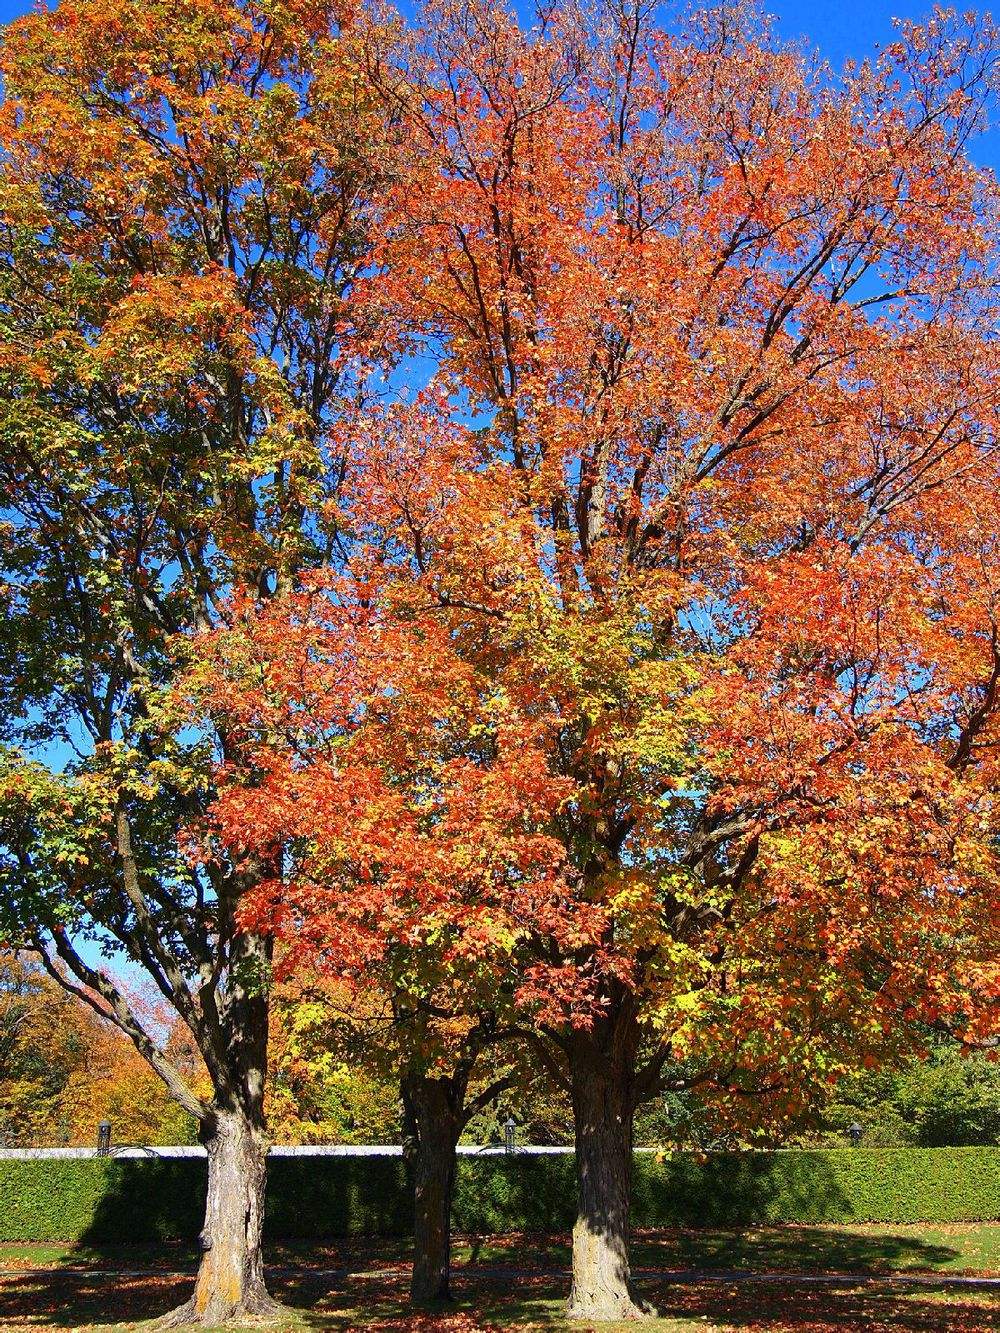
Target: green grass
<point>872,1248</point>
<point>346,1286</point>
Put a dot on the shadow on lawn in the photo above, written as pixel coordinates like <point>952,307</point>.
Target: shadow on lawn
<point>784,1248</point>
<point>790,1248</point>
<point>829,1310</point>
<point>375,1302</point>
<point>347,1285</point>
<point>71,1300</point>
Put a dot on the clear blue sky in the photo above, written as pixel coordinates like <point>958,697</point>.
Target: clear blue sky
<point>844,30</point>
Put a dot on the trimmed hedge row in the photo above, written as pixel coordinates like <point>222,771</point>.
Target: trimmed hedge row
<point>135,1199</point>
<point>745,1188</point>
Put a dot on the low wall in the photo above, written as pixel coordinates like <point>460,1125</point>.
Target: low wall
<point>314,1194</point>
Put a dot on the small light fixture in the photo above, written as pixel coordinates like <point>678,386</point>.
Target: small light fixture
<point>855,1132</point>
<point>508,1134</point>
<point>104,1138</point>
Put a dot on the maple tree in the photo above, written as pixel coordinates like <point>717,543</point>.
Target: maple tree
<point>725,534</point>
<point>184,196</point>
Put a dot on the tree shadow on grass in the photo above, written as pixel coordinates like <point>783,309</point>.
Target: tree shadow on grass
<point>780,1248</point>
<point>74,1300</point>
<point>791,1248</point>
<point>375,1300</point>
<point>824,1309</point>
<point>754,1307</point>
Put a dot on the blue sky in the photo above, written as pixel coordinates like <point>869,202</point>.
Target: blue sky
<point>841,30</point>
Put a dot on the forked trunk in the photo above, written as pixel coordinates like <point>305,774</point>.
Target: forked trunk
<point>436,1125</point>
<point>230,1284</point>
<point>603,1109</point>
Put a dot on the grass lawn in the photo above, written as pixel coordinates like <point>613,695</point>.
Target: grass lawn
<point>518,1282</point>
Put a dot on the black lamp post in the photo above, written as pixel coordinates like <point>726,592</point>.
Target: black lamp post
<point>104,1138</point>
<point>855,1132</point>
<point>508,1134</point>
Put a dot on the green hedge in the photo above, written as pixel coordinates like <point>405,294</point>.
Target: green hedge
<point>734,1189</point>
<point>132,1199</point>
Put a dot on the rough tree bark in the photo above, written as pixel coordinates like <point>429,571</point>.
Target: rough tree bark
<point>230,1282</point>
<point>436,1114</point>
<point>602,1079</point>
<point>435,1110</point>
<point>230,1285</point>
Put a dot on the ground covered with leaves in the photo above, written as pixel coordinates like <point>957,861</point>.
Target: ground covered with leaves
<point>802,1279</point>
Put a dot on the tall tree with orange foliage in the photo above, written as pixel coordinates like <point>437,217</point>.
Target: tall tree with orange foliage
<point>727,323</point>
<point>184,199</point>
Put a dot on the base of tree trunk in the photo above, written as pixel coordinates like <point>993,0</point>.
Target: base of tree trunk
<point>428,1290</point>
<point>256,1309</point>
<point>443,1302</point>
<point>229,1287</point>
<point>608,1307</point>
<point>602,1289</point>
<point>600,1312</point>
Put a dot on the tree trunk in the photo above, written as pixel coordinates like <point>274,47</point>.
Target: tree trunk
<point>602,1073</point>
<point>230,1282</point>
<point>436,1125</point>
